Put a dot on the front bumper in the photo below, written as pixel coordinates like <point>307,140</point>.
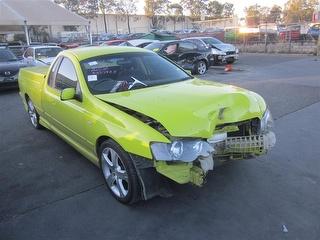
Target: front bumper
<point>6,82</point>
<point>231,148</point>
<point>231,56</point>
<point>245,146</point>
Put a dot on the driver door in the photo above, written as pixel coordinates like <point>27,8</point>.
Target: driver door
<point>69,118</point>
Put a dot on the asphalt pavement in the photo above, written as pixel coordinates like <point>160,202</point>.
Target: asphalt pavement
<point>49,191</point>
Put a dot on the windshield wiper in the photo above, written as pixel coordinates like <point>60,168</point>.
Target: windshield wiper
<point>136,81</point>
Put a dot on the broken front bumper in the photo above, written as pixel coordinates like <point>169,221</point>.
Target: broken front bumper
<point>254,145</point>
<point>242,147</point>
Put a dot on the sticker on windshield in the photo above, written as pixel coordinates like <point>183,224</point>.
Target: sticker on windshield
<point>93,63</point>
<point>92,78</point>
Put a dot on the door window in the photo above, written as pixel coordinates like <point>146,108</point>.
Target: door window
<point>186,47</point>
<point>171,49</point>
<point>66,75</point>
<point>53,72</point>
<point>28,53</point>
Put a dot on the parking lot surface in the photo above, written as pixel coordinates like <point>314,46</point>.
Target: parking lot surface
<point>49,191</point>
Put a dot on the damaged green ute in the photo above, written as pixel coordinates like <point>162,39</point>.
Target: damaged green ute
<point>142,119</point>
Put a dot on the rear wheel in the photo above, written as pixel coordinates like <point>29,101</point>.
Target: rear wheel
<point>119,172</point>
<point>201,68</point>
<point>33,115</point>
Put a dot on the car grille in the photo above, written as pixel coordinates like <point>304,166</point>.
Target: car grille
<point>230,52</point>
<point>9,73</point>
<point>245,128</point>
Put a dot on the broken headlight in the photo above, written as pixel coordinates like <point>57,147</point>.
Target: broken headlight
<point>181,150</point>
<point>266,123</point>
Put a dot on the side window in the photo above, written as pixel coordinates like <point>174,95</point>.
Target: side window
<point>53,72</point>
<point>186,47</point>
<point>66,76</point>
<point>199,44</point>
<point>28,53</point>
<point>171,49</point>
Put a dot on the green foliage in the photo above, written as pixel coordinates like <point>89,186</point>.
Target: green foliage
<point>275,14</point>
<point>299,10</point>
<point>156,7</point>
<point>85,8</point>
<point>215,9</point>
<point>228,10</point>
<point>197,8</point>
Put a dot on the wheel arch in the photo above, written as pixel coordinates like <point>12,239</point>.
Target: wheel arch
<point>100,140</point>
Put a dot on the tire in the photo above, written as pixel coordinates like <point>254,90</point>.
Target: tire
<point>201,67</point>
<point>121,180</point>
<point>33,115</point>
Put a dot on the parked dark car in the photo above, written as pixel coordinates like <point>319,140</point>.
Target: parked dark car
<point>222,52</point>
<point>9,68</point>
<point>186,54</point>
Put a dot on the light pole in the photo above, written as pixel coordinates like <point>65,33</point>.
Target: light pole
<point>26,32</point>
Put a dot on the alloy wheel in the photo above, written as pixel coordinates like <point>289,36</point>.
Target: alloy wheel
<point>115,172</point>
<point>32,114</point>
<point>202,68</point>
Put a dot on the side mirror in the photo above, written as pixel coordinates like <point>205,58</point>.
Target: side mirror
<point>67,94</point>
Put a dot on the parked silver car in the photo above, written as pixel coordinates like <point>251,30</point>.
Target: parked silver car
<point>41,55</point>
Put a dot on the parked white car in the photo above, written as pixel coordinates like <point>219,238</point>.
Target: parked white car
<point>41,55</point>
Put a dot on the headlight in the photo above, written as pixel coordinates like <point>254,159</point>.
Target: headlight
<point>266,122</point>
<point>181,150</point>
<point>217,52</point>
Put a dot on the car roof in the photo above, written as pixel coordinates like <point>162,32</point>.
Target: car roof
<point>197,38</point>
<point>140,41</point>
<point>88,52</point>
<point>39,47</point>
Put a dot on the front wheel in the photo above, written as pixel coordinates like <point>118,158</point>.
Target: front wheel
<point>119,172</point>
<point>33,115</point>
<point>201,68</point>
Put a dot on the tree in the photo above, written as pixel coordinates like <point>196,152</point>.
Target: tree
<point>71,5</point>
<point>126,7</point>
<point>275,14</point>
<point>106,6</point>
<point>299,10</point>
<point>228,10</point>
<point>156,7</point>
<point>253,15</point>
<point>85,8</point>
<point>88,8</point>
<point>197,8</point>
<point>176,13</point>
<point>214,9</point>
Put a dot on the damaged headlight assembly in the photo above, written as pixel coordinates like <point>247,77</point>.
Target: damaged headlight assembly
<point>181,150</point>
<point>266,123</point>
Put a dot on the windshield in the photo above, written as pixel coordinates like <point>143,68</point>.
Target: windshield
<point>211,41</point>
<point>47,52</point>
<point>6,55</point>
<point>154,46</point>
<point>125,71</point>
